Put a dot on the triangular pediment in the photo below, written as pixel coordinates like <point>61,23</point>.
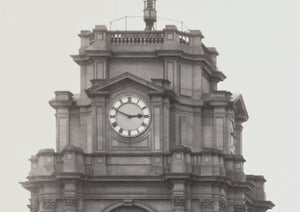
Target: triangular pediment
<point>240,107</point>
<point>106,86</point>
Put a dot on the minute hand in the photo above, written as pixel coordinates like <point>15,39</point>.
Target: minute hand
<point>125,114</point>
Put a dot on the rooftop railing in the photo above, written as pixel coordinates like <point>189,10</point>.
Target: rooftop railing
<point>136,37</point>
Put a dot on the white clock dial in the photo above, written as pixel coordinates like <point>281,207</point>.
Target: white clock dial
<point>130,116</point>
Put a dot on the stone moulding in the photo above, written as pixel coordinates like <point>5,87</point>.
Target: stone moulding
<point>49,204</point>
<point>70,201</point>
<point>125,202</point>
<point>207,203</point>
<point>179,201</point>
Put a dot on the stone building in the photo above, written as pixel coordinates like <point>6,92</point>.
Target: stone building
<point>149,131</point>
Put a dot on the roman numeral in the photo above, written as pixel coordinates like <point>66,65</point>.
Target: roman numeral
<point>129,133</point>
<point>112,116</point>
<point>144,124</point>
<point>146,116</point>
<point>129,99</point>
<point>120,130</point>
<point>114,124</point>
<point>144,107</point>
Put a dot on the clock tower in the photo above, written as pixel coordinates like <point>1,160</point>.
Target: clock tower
<point>148,132</point>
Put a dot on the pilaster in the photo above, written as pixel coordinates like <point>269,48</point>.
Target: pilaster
<point>239,132</point>
<point>62,103</point>
<point>71,199</point>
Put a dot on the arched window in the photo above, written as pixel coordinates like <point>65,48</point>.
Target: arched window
<point>129,209</point>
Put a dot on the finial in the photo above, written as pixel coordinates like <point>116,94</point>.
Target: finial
<point>149,14</point>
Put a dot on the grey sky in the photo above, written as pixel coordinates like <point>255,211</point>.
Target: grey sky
<point>259,48</point>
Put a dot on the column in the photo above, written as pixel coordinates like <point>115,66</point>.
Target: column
<point>239,131</point>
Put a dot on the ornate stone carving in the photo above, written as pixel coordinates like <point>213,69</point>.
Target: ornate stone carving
<point>49,204</point>
<point>207,204</point>
<point>179,201</point>
<point>222,204</point>
<point>240,208</point>
<point>34,205</point>
<point>71,201</point>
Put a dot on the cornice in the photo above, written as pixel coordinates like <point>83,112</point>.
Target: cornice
<point>259,178</point>
<point>242,186</point>
<point>181,148</point>
<point>97,53</point>
<point>122,154</point>
<point>89,55</point>
<point>134,196</point>
<point>259,203</point>
<point>45,152</point>
<point>187,56</point>
<point>72,148</point>
<point>171,176</point>
<point>124,178</point>
<point>105,86</point>
<point>238,158</point>
<point>217,98</point>
<point>61,103</point>
<point>81,59</point>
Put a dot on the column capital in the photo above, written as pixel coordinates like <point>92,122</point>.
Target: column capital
<point>71,201</point>
<point>34,205</point>
<point>240,208</point>
<point>207,203</point>
<point>179,201</point>
<point>49,204</point>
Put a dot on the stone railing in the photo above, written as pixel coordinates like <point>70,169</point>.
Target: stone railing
<point>136,37</point>
<point>208,162</point>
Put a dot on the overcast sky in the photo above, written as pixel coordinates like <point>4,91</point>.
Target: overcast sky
<point>258,42</point>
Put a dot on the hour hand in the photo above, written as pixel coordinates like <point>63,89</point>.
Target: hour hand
<point>138,115</point>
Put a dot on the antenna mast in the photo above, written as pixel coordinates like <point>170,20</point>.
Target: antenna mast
<point>149,14</point>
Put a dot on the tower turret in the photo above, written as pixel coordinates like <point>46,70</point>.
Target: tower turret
<point>148,132</point>
<point>149,14</point>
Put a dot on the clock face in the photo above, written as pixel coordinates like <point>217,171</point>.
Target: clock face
<point>130,116</point>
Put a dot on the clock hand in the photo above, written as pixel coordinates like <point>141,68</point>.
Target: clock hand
<point>129,116</point>
<point>138,115</point>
